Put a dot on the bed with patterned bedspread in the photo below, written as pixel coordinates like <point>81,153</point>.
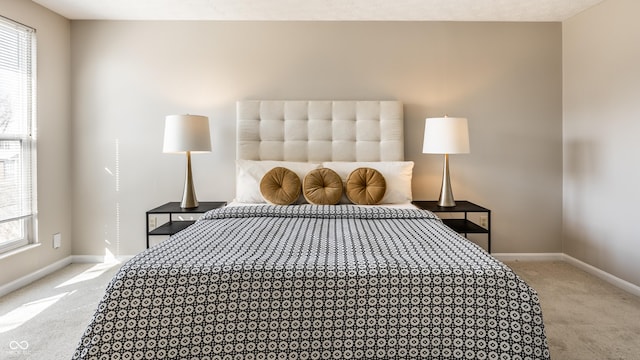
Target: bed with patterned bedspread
<point>316,282</point>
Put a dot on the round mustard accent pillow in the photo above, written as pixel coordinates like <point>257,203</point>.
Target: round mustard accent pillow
<point>280,186</point>
<point>322,187</point>
<point>365,186</point>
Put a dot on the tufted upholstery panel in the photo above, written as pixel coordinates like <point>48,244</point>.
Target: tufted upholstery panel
<point>317,131</point>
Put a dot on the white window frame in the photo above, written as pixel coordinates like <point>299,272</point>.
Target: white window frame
<point>27,219</point>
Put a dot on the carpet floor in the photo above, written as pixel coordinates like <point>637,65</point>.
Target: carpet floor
<point>585,317</point>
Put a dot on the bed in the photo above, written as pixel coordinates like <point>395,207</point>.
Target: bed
<point>305,281</point>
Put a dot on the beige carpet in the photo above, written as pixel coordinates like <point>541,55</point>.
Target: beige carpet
<point>59,307</point>
<point>585,317</point>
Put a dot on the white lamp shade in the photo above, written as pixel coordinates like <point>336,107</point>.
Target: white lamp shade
<point>184,133</point>
<point>446,135</point>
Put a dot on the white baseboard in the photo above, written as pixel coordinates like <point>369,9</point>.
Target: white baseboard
<point>87,259</point>
<point>51,268</point>
<point>611,279</point>
<point>529,256</point>
<point>27,279</point>
<point>94,259</point>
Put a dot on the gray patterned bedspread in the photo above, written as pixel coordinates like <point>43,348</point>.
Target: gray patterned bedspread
<point>316,282</point>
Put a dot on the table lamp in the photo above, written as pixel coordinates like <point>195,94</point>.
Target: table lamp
<point>187,134</point>
<point>446,135</point>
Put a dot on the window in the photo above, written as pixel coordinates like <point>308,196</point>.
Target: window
<point>17,135</point>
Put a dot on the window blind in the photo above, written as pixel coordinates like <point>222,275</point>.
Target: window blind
<point>17,135</point>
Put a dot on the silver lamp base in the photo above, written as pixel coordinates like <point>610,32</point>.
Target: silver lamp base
<point>446,194</point>
<point>189,200</point>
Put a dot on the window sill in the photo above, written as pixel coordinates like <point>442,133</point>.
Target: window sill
<point>19,250</point>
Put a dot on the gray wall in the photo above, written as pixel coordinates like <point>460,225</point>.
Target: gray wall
<point>53,136</point>
<point>601,146</point>
<point>505,77</point>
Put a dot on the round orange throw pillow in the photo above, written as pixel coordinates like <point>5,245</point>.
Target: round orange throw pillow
<point>322,187</point>
<point>366,186</point>
<point>280,186</point>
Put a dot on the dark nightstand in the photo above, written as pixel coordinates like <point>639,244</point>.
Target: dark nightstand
<point>462,226</point>
<point>173,209</point>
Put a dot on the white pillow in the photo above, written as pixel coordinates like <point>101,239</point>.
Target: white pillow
<point>397,175</point>
<point>250,172</point>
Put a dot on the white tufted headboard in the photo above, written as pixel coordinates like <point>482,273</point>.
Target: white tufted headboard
<point>317,131</point>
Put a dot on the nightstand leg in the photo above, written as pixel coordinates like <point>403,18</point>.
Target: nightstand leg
<point>489,231</point>
<point>147,230</point>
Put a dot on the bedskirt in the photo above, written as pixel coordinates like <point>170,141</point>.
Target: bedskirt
<point>316,282</point>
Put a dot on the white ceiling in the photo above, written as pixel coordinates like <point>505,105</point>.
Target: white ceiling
<point>422,10</point>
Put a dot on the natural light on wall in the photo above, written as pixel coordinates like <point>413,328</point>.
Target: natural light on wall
<point>112,239</point>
